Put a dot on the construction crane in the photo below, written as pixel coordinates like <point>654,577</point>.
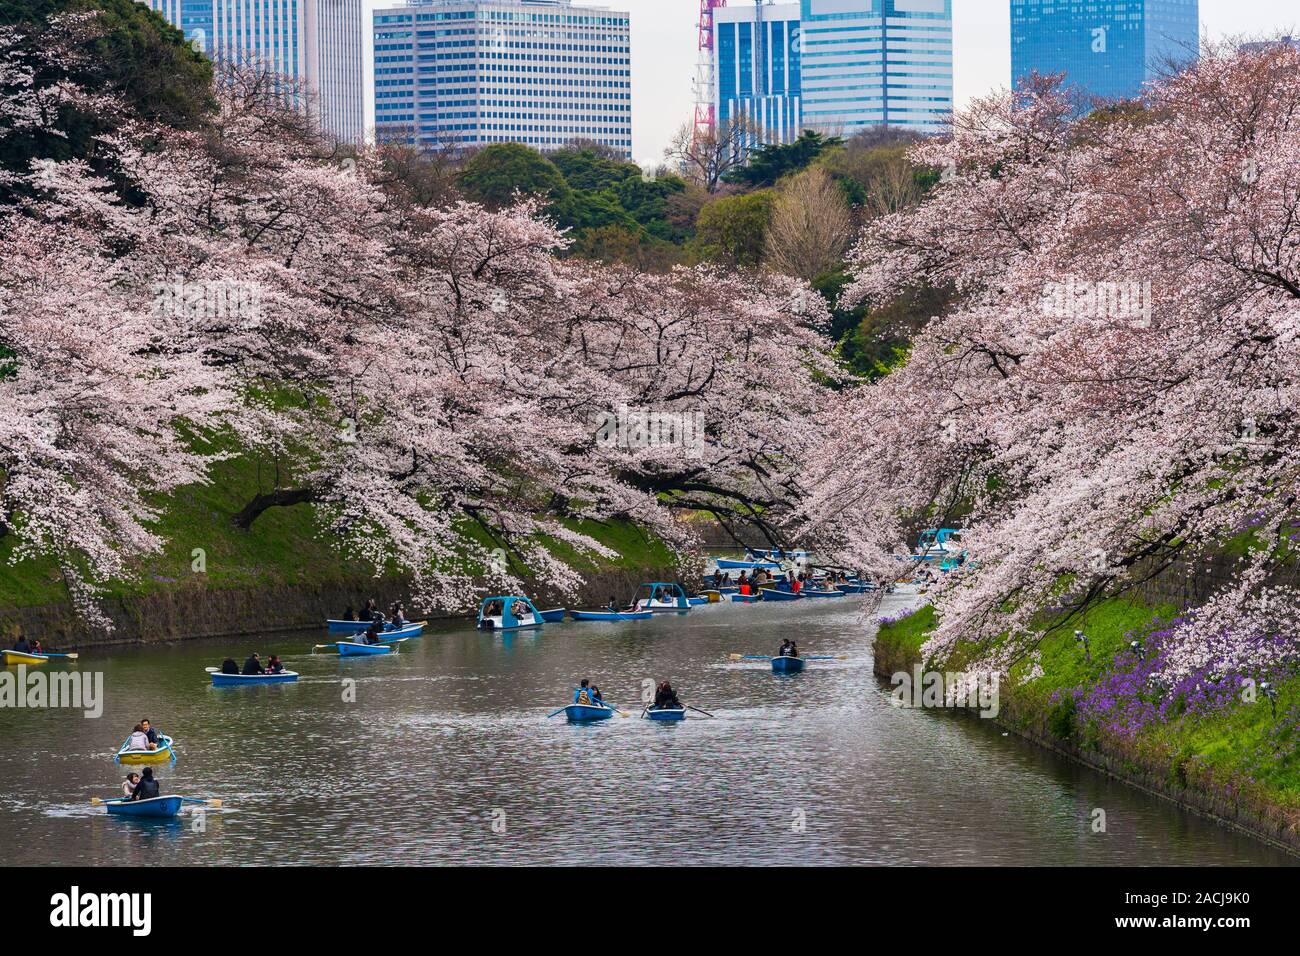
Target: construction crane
<point>706,116</point>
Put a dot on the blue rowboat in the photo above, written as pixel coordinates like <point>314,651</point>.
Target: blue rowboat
<point>249,680</point>
<point>666,713</point>
<point>156,807</point>
<point>395,636</point>
<point>746,598</point>
<point>166,751</point>
<point>820,593</point>
<point>553,616</point>
<point>855,588</point>
<point>728,589</point>
<point>611,615</point>
<point>727,564</point>
<point>776,594</point>
<point>358,627</point>
<point>697,601</point>
<point>787,665</point>
<point>349,649</point>
<point>585,713</point>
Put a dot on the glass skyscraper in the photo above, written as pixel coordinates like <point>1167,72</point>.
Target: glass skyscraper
<point>758,68</point>
<point>835,66</point>
<point>317,42</point>
<point>1106,48</point>
<point>464,73</point>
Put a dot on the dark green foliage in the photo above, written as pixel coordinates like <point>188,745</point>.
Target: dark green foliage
<point>493,176</point>
<point>133,54</point>
<point>769,164</point>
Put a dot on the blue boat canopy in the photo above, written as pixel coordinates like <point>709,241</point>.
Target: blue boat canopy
<point>505,606</point>
<point>665,591</point>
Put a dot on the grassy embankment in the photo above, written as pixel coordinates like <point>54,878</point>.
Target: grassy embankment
<point>1240,750</point>
<point>284,547</point>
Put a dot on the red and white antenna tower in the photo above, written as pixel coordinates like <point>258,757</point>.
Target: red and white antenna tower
<point>706,70</point>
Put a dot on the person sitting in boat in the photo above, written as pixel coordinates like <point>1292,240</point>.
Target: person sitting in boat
<point>613,604</point>
<point>584,694</point>
<point>372,610</point>
<point>399,617</point>
<point>372,633</point>
<point>35,645</point>
<point>128,785</point>
<point>788,649</point>
<point>150,732</point>
<point>229,666</point>
<point>666,697</point>
<point>147,788</point>
<point>253,665</point>
<point>349,614</point>
<point>21,645</point>
<point>274,666</point>
<point>597,696</point>
<point>139,740</point>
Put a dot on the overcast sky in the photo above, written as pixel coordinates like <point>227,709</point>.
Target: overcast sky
<point>664,54</point>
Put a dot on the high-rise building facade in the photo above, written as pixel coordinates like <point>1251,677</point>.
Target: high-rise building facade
<point>317,43</point>
<point>835,66</point>
<point>757,61</point>
<point>1107,49</point>
<point>463,73</point>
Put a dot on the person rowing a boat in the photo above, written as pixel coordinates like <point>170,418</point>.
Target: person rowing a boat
<point>150,733</point>
<point>399,618</point>
<point>253,665</point>
<point>666,697</point>
<point>372,633</point>
<point>586,694</point>
<point>788,649</point>
<point>22,646</point>
<point>147,788</point>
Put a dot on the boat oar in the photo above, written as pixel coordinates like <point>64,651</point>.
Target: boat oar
<point>698,711</point>
<point>749,657</point>
<point>71,657</point>
<point>826,658</point>
<point>558,712</point>
<point>214,803</point>
<point>321,647</point>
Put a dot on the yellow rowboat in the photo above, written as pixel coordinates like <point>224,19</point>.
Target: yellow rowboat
<point>163,754</point>
<point>21,657</point>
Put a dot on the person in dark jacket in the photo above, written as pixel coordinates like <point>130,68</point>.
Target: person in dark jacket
<point>274,666</point>
<point>349,614</point>
<point>253,665</point>
<point>229,666</point>
<point>147,788</point>
<point>149,731</point>
<point>788,649</point>
<point>372,634</point>
<point>666,697</point>
<point>22,646</point>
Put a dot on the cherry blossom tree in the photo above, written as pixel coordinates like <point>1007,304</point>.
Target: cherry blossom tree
<point>1115,390</point>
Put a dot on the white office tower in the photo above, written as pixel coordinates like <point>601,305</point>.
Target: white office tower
<point>463,73</point>
<point>318,43</point>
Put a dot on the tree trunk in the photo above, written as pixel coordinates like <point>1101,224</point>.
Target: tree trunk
<point>280,498</point>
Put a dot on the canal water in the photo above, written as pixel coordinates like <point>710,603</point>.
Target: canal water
<point>446,756</point>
